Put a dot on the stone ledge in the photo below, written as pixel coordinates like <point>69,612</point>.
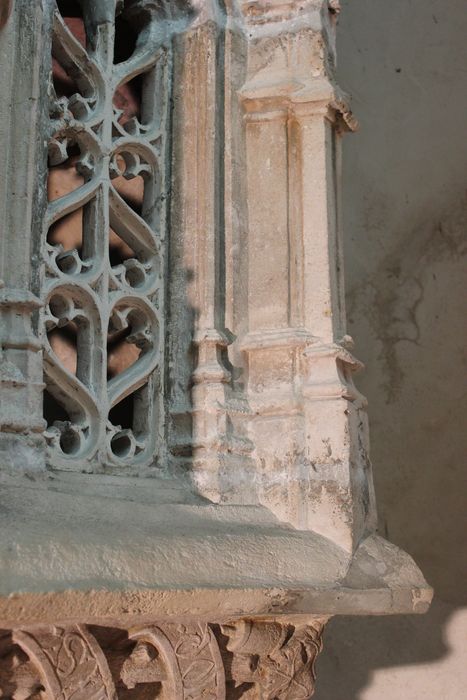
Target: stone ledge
<point>96,557</point>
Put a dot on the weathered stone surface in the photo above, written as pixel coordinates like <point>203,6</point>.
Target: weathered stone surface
<point>126,545</point>
<point>5,11</point>
<point>232,370</point>
<point>178,287</point>
<point>182,660</point>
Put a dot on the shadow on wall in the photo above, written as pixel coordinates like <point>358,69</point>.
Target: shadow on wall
<point>354,648</point>
<point>405,223</point>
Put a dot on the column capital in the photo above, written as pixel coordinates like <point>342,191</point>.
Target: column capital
<point>179,660</point>
<point>264,15</point>
<point>291,61</point>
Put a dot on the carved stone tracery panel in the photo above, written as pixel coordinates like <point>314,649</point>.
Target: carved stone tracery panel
<point>218,353</point>
<point>249,660</point>
<point>103,238</point>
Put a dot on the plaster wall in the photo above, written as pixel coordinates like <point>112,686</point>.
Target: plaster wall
<point>405,216</point>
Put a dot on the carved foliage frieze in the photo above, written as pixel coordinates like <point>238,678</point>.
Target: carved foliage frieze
<point>275,659</point>
<point>168,661</point>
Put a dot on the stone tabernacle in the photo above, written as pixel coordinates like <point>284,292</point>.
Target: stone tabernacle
<point>186,491</point>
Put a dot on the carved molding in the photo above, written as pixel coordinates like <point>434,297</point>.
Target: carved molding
<point>171,661</point>
<point>21,424</point>
<point>22,445</point>
<point>208,422</point>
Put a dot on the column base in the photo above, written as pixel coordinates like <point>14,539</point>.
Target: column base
<point>22,452</point>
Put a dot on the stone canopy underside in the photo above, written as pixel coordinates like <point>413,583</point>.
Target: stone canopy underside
<point>185,486</point>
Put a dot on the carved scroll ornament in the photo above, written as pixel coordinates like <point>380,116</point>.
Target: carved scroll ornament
<point>170,661</point>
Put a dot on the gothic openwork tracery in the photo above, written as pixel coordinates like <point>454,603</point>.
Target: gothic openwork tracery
<point>104,234</point>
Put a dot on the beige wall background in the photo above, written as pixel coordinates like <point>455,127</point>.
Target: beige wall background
<point>405,216</point>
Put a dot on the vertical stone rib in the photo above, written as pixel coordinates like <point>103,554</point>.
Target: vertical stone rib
<point>197,226</point>
<point>307,425</point>
<point>217,448</point>
<point>22,445</point>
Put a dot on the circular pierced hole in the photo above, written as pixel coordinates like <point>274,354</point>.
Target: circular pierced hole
<point>58,306</point>
<point>121,445</point>
<point>68,264</point>
<point>70,441</point>
<point>135,276</point>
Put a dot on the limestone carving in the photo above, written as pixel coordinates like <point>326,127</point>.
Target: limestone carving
<point>278,659</point>
<point>70,663</point>
<point>172,306</point>
<point>172,661</point>
<point>117,161</point>
<point>20,373</point>
<point>191,661</point>
<point>218,352</point>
